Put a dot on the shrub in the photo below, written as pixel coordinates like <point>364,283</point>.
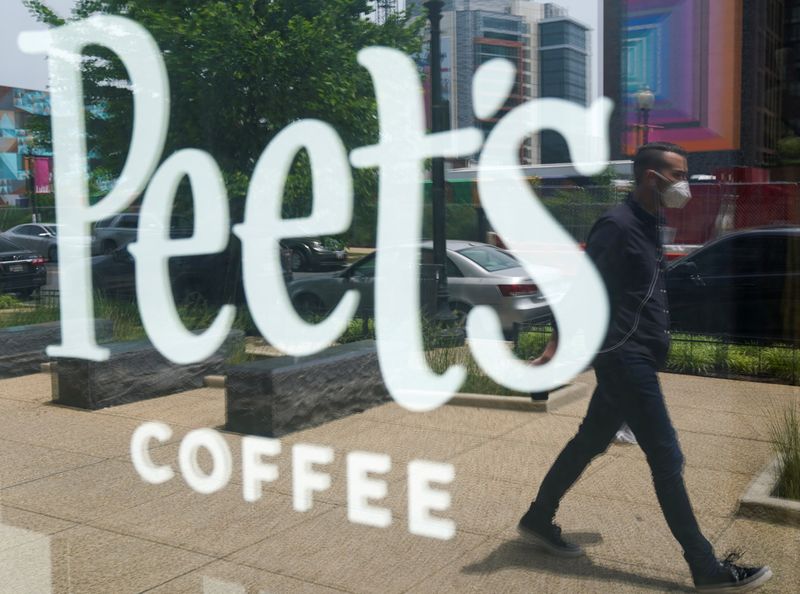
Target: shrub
<point>789,149</point>
<point>692,354</point>
<point>743,360</point>
<point>356,331</point>
<point>531,344</point>
<point>9,302</point>
<point>477,382</point>
<point>28,316</point>
<point>781,363</point>
<point>785,436</point>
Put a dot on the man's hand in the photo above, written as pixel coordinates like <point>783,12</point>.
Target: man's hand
<point>549,351</point>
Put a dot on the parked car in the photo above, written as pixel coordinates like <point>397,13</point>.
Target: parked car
<point>477,274</point>
<point>121,229</point>
<point>314,253</point>
<point>41,238</point>
<point>745,284</point>
<point>210,278</point>
<point>21,271</point>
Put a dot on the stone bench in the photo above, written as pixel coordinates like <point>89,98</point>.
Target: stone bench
<point>134,371</point>
<point>276,396</point>
<point>22,348</point>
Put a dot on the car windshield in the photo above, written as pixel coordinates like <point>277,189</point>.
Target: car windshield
<point>51,229</point>
<point>489,258</point>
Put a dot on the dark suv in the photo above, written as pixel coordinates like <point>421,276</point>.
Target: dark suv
<point>122,229</point>
<point>745,284</point>
<point>21,271</point>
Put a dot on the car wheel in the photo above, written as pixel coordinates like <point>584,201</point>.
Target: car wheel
<point>109,245</point>
<point>52,254</point>
<point>310,307</point>
<point>298,261</point>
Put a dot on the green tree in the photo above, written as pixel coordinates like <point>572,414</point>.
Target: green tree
<point>789,149</point>
<point>240,71</point>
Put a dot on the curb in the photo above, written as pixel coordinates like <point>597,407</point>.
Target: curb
<point>758,503</point>
<point>214,381</point>
<point>558,399</point>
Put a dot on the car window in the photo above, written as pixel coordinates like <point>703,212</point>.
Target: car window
<point>715,260</point>
<point>29,230</point>
<point>128,221</point>
<point>452,269</point>
<point>51,229</point>
<point>180,223</point>
<point>745,255</point>
<point>771,256</point>
<point>489,258</point>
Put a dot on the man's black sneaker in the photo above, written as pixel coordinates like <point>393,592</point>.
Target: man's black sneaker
<point>548,537</point>
<point>733,578</point>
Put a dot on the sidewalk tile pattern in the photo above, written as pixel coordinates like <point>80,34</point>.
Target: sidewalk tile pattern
<point>76,517</point>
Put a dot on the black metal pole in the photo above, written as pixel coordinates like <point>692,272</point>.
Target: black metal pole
<point>646,118</point>
<point>640,128</point>
<point>30,188</point>
<point>439,124</point>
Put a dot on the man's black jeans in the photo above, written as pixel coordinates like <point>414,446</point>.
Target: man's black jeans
<point>628,390</point>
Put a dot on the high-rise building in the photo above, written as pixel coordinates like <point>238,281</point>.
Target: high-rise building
<point>384,9</point>
<point>476,31</point>
<point>791,70</point>
<point>564,71</point>
<point>481,36</point>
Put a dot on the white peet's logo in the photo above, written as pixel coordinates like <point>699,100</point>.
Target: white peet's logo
<point>510,204</point>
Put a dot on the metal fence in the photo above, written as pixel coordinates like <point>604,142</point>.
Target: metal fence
<point>725,355</point>
<point>46,298</point>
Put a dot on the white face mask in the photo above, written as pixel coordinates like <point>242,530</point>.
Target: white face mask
<point>676,195</point>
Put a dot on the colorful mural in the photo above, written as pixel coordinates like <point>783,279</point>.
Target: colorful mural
<point>17,158</point>
<point>688,52</point>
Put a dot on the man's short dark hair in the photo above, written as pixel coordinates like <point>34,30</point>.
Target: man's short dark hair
<point>651,156</point>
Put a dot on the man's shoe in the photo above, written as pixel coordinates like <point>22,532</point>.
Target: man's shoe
<point>733,578</point>
<point>625,436</point>
<point>548,537</point>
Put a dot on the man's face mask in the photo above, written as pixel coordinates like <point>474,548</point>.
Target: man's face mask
<point>677,193</point>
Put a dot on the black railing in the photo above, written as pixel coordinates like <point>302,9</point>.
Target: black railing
<point>721,355</point>
<point>46,298</point>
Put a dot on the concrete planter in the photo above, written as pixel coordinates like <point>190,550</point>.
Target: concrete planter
<point>759,503</point>
<point>134,371</point>
<point>557,399</point>
<point>22,348</point>
<point>279,395</point>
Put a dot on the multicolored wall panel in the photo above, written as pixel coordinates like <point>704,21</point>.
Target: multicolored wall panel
<point>15,107</point>
<point>688,52</point>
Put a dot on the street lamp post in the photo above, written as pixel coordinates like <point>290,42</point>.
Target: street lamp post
<point>30,189</point>
<point>438,124</point>
<point>645,100</point>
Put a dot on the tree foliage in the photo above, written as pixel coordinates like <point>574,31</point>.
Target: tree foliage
<point>789,149</point>
<point>239,72</point>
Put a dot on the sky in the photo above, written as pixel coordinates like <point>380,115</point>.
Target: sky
<point>18,69</point>
<point>30,72</point>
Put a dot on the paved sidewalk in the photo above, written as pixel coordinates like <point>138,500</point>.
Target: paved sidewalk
<point>76,517</point>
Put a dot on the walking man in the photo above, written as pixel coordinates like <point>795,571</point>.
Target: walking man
<point>625,246</point>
